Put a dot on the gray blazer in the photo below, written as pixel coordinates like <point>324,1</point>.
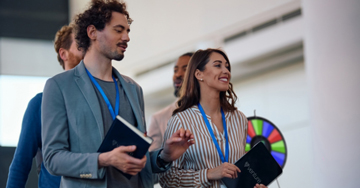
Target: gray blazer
<point>72,129</point>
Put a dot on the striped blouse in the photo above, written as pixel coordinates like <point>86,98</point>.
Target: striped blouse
<point>190,170</point>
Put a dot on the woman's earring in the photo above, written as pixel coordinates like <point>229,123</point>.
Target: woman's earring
<point>201,80</point>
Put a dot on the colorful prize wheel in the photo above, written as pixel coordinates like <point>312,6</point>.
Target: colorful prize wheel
<point>262,130</point>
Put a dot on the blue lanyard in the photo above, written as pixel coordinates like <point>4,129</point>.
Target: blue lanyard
<point>226,158</point>
<point>117,103</point>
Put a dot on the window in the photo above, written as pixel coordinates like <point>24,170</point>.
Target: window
<point>15,94</point>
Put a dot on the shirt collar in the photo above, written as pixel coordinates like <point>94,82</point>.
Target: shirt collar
<point>195,109</point>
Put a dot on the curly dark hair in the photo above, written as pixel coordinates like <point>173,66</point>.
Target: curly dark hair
<point>98,14</point>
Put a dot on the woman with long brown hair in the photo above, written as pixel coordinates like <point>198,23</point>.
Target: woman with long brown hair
<point>207,108</point>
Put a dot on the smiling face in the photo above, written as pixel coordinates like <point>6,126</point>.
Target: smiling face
<point>112,40</point>
<point>216,74</point>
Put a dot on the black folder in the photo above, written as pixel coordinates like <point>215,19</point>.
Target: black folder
<point>122,133</point>
<point>257,166</point>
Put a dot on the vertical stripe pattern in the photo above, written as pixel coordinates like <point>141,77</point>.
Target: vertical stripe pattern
<point>191,168</point>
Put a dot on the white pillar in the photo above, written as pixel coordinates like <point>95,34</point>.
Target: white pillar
<point>332,59</point>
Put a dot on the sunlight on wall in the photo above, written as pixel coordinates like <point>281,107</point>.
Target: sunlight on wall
<point>15,94</point>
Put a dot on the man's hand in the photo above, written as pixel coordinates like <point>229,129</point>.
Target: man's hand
<point>177,144</point>
<point>120,159</point>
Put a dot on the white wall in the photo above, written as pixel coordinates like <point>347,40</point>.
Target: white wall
<point>25,65</point>
<point>172,27</point>
<point>164,29</point>
<point>28,57</point>
<point>332,46</point>
<point>15,94</point>
<point>281,97</point>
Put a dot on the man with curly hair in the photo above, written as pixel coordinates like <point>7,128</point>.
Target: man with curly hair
<point>29,145</point>
<point>78,110</point>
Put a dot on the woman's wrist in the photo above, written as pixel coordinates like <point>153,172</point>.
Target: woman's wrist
<point>209,174</point>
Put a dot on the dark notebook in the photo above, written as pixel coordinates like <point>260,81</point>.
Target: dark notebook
<point>257,166</point>
<point>122,133</point>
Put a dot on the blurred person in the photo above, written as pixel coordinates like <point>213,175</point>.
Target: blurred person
<point>207,108</point>
<point>66,48</point>
<point>159,120</point>
<point>78,110</point>
<point>29,145</point>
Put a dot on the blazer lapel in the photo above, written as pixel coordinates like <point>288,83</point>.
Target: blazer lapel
<point>132,95</point>
<point>131,91</point>
<point>84,83</point>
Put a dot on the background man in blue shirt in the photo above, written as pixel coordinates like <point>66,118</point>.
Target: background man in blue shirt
<point>29,145</point>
